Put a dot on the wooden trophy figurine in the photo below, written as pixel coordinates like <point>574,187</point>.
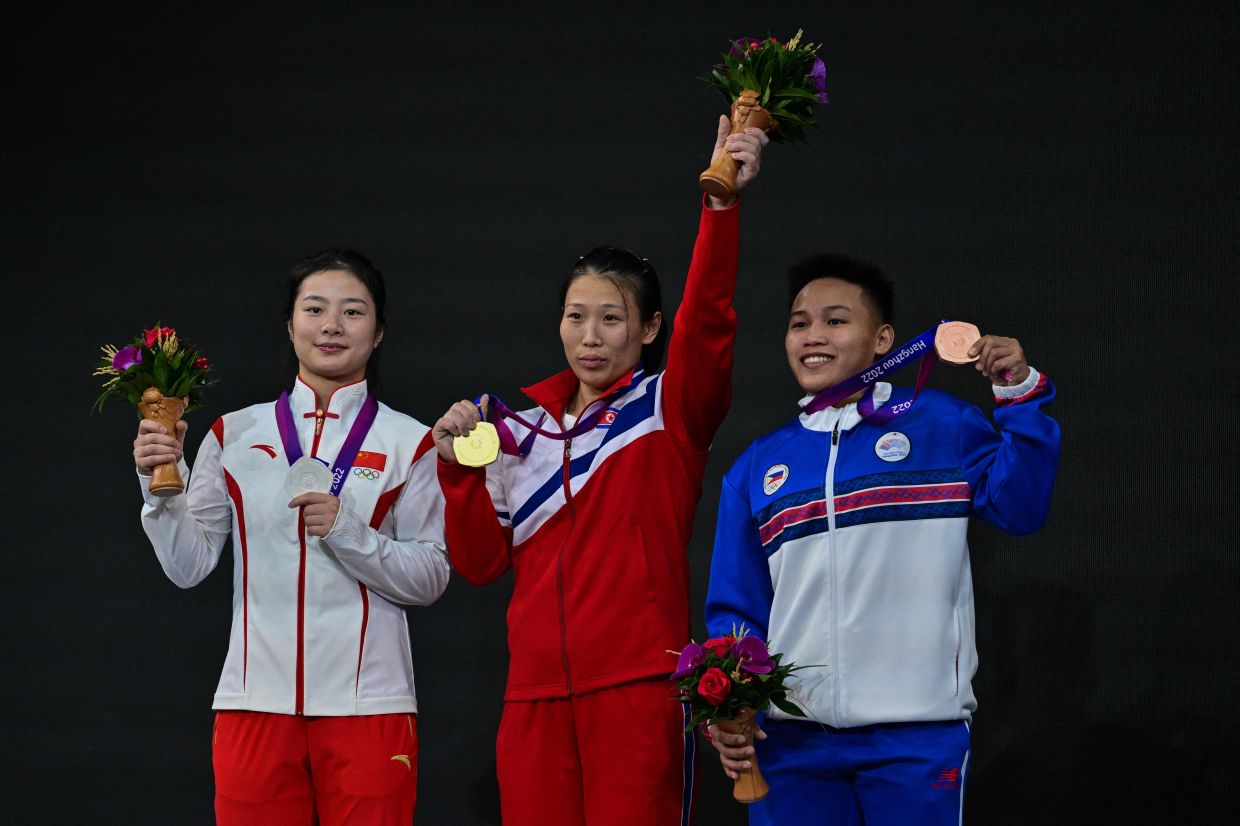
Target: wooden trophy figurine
<point>750,786</point>
<point>166,479</point>
<point>720,179</point>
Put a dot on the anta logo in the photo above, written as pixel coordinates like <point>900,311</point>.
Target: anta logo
<point>268,449</point>
<point>403,758</point>
<point>774,478</point>
<point>947,779</point>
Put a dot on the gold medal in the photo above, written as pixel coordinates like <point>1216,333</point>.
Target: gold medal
<point>480,447</point>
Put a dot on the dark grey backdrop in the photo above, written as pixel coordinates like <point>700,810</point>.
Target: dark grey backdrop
<point>1061,172</point>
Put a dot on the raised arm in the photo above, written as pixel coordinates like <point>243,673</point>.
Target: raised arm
<point>1012,471</point>
<point>697,385</point>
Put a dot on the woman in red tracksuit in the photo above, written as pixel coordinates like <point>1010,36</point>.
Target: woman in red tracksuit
<point>595,528</point>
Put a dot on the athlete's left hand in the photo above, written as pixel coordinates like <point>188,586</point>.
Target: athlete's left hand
<point>746,149</point>
<point>1002,360</point>
<point>319,514</point>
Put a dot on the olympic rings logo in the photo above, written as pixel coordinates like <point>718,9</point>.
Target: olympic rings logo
<point>366,473</point>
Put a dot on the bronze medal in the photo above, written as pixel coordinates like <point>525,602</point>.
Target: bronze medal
<point>953,340</point>
<point>480,447</point>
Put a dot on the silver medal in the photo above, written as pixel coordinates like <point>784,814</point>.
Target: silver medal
<point>307,475</point>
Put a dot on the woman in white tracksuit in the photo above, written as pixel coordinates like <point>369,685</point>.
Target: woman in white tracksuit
<point>316,705</point>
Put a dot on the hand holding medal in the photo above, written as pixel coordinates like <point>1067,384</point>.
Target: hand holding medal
<point>463,435</point>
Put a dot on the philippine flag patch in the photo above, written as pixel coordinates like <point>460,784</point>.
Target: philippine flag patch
<point>774,478</point>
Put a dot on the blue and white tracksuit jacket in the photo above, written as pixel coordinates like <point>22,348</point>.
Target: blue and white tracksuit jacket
<point>843,543</point>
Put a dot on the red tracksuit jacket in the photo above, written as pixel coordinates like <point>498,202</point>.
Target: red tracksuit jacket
<point>596,530</point>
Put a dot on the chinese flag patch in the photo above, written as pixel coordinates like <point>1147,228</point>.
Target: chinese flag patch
<point>374,461</point>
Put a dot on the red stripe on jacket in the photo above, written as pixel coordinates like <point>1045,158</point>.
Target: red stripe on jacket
<point>234,493</point>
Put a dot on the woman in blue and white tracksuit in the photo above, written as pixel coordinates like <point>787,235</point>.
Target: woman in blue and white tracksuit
<point>843,543</point>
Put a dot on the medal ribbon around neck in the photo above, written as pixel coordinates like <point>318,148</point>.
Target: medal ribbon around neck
<point>498,411</point>
<point>348,451</point>
<point>921,348</point>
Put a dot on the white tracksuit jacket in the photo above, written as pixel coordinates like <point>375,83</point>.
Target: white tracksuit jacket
<point>318,625</point>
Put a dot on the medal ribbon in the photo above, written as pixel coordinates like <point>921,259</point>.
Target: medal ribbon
<point>348,451</point>
<point>497,410</point>
<point>921,347</point>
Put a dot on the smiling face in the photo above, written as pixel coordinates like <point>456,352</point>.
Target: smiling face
<point>333,328</point>
<point>833,333</point>
<point>602,333</point>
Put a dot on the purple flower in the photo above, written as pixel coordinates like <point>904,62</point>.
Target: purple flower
<point>819,75</point>
<point>690,658</point>
<point>752,656</point>
<point>127,357</point>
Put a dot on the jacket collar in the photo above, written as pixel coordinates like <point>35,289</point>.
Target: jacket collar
<point>847,416</point>
<point>344,403</point>
<point>553,394</point>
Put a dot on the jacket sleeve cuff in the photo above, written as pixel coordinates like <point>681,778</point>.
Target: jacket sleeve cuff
<point>1017,390</point>
<point>455,477</point>
<point>348,532</point>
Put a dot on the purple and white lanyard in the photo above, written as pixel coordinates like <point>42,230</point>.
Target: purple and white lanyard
<point>508,442</point>
<point>921,348</point>
<point>348,451</point>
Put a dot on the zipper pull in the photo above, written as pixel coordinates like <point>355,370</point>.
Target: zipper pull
<point>318,423</point>
<point>835,435</point>
<point>568,450</point>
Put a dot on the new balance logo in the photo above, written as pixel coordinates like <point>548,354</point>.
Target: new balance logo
<point>947,779</point>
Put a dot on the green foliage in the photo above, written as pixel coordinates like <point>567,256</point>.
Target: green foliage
<point>158,359</point>
<point>789,78</point>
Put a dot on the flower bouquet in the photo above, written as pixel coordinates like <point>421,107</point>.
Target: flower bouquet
<point>772,86</point>
<point>727,681</point>
<point>164,377</point>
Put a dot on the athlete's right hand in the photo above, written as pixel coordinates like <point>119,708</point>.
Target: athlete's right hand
<point>155,447</point>
<point>733,753</point>
<point>460,419</point>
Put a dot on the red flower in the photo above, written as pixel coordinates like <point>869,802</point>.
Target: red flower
<point>202,363</point>
<point>719,645</point>
<point>714,686</point>
<point>153,334</point>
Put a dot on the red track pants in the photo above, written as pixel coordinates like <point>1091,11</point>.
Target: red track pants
<point>615,756</point>
<point>282,770</point>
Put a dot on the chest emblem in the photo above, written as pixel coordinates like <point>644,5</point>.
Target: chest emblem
<point>369,465</point>
<point>774,478</point>
<point>893,446</point>
<point>608,418</point>
<point>268,449</point>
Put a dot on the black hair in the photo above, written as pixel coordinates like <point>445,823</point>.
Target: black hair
<point>634,277</point>
<point>875,286</point>
<point>357,265</point>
